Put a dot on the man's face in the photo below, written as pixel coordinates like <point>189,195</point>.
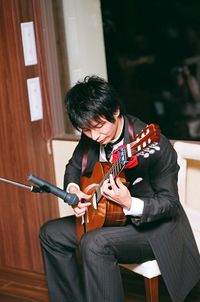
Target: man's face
<point>104,131</point>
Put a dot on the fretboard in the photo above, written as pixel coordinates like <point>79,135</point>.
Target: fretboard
<point>115,170</point>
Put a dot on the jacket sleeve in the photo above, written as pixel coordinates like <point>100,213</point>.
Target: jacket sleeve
<point>161,200</point>
<point>73,168</point>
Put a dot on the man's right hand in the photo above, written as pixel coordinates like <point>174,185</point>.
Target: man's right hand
<point>82,206</point>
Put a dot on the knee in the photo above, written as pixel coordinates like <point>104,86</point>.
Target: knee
<point>46,232</point>
<point>94,242</point>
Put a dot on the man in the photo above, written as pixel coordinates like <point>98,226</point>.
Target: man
<point>156,225</point>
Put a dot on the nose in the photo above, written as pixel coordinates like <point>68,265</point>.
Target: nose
<point>94,134</point>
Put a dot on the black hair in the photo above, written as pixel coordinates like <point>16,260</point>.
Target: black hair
<point>90,100</point>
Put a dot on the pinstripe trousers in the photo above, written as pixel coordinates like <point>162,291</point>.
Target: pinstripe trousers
<point>101,251</point>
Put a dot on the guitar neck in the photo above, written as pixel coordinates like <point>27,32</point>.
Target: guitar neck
<point>115,170</point>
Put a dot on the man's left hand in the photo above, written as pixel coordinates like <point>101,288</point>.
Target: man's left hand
<point>116,191</point>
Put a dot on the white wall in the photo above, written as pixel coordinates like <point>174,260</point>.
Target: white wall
<point>188,182</point>
<point>84,36</point>
<point>62,152</point>
<point>189,161</point>
<point>193,183</point>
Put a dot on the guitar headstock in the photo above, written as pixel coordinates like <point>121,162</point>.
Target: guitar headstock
<point>146,140</point>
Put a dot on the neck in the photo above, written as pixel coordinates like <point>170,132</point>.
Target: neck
<point>120,126</point>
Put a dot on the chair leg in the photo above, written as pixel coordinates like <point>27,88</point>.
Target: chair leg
<point>151,287</point>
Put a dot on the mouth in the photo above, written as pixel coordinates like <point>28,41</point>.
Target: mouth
<point>101,142</point>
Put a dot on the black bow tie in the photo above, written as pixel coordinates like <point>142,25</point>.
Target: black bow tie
<point>108,150</point>
<point>109,147</point>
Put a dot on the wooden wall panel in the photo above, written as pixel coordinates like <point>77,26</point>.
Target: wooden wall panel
<point>24,145</point>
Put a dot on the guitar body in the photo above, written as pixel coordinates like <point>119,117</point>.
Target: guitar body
<point>103,212</point>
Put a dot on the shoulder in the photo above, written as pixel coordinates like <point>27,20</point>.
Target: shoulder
<point>86,145</point>
<point>86,142</point>
<point>137,124</point>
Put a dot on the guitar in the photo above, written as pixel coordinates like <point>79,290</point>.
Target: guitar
<point>104,212</point>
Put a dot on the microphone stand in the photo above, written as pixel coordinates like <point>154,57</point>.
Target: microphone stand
<point>30,188</point>
<point>45,187</point>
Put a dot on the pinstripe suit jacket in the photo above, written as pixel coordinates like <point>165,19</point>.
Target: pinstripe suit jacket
<point>163,217</point>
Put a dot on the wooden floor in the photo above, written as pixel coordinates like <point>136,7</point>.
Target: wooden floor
<point>22,286</point>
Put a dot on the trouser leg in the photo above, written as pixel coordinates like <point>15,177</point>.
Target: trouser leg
<point>59,244</point>
<point>101,252</point>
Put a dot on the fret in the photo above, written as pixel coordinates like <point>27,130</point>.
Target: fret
<point>115,169</point>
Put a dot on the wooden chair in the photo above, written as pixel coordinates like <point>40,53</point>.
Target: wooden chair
<point>188,182</point>
<point>150,271</point>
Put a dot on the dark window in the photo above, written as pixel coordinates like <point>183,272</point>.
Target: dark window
<point>153,60</point>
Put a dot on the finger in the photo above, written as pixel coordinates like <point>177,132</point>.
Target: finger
<point>86,196</point>
<point>83,205</point>
<point>106,183</point>
<point>79,212</point>
<point>111,179</point>
<point>106,189</point>
<point>105,186</point>
<point>113,184</point>
<point>119,183</point>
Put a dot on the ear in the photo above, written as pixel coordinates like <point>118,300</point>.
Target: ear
<point>117,113</point>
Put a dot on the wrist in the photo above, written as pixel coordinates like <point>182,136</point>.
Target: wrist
<point>128,204</point>
<point>73,188</point>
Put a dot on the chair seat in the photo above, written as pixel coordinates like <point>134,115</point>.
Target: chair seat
<point>149,269</point>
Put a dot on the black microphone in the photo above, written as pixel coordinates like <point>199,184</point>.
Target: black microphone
<point>71,199</point>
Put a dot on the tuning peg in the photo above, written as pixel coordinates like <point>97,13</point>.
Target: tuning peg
<point>155,146</point>
<point>146,155</point>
